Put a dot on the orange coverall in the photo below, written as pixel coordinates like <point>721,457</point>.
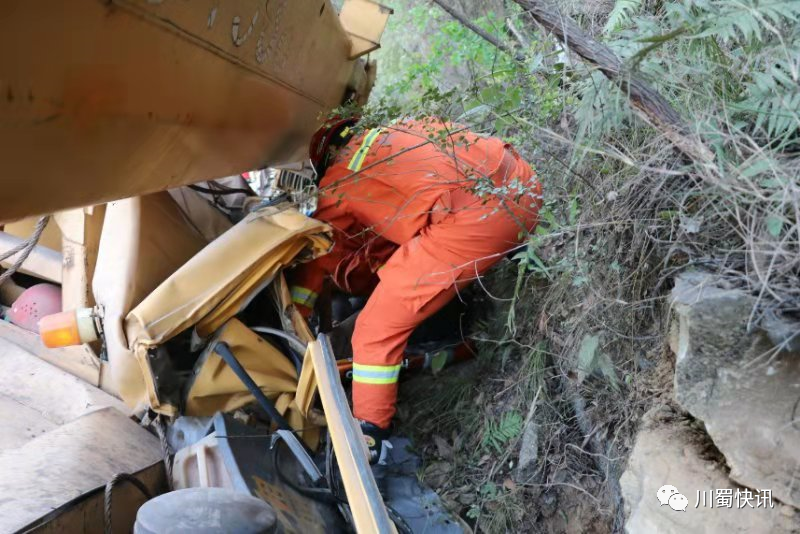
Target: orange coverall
<point>409,223</point>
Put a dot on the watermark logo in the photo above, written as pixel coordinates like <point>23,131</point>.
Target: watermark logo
<point>740,498</point>
<point>715,498</point>
<point>670,496</point>
<point>678,502</point>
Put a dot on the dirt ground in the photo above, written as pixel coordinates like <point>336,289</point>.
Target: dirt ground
<point>471,421</point>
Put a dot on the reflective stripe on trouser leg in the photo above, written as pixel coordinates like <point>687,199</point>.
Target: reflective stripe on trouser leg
<point>375,386</point>
<point>375,374</point>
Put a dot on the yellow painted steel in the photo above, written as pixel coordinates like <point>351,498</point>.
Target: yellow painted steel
<point>364,21</point>
<point>214,387</point>
<point>217,283</point>
<point>366,504</point>
<point>101,100</point>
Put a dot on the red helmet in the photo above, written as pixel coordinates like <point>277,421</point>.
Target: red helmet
<point>334,132</point>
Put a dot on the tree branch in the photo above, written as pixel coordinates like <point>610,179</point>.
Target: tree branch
<point>521,39</point>
<point>646,101</point>
<point>460,17</point>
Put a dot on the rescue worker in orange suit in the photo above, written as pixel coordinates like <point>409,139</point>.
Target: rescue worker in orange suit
<point>418,210</point>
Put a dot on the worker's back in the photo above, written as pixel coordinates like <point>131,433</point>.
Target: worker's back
<point>402,177</point>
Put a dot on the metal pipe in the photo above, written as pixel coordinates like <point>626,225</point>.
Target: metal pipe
<point>227,355</point>
<point>297,345</point>
<point>42,262</point>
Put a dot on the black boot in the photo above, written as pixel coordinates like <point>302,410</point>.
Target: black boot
<point>377,440</point>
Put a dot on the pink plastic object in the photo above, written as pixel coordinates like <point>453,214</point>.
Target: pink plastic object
<point>33,304</point>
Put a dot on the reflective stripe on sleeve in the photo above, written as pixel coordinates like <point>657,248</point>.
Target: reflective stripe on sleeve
<point>358,158</point>
<point>375,374</point>
<point>304,297</point>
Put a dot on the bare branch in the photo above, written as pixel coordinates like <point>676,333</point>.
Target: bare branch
<point>521,39</point>
<point>460,17</point>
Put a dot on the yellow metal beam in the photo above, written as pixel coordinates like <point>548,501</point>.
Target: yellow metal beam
<point>101,100</point>
<point>366,504</point>
<point>364,21</point>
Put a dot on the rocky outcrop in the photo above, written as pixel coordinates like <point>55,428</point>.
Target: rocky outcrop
<point>745,391</point>
<point>673,454</point>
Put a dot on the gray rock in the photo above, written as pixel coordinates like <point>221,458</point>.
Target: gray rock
<point>746,392</point>
<point>527,470</point>
<point>672,454</point>
<point>783,332</point>
<point>528,450</point>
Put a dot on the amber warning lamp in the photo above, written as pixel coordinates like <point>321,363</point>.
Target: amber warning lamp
<point>73,327</point>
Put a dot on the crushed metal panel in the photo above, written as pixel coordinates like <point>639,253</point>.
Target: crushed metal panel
<point>294,323</point>
<point>218,282</point>
<point>215,284</point>
<point>291,319</point>
<point>214,387</point>
<point>145,239</point>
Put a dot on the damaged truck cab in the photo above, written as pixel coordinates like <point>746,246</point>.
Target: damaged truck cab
<point>110,109</point>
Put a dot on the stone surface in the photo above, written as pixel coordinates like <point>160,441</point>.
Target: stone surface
<point>745,391</point>
<point>527,464</point>
<point>673,454</point>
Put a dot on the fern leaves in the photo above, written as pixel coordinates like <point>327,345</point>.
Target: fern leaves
<point>497,434</point>
<point>760,56</point>
<point>621,15</point>
<point>774,98</point>
<point>741,20</point>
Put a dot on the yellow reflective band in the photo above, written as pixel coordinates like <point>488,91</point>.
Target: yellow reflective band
<point>361,154</point>
<point>375,374</point>
<point>345,132</point>
<point>303,296</point>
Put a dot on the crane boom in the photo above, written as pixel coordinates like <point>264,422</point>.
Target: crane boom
<point>102,100</point>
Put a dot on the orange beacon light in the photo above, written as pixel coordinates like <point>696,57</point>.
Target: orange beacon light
<point>73,327</point>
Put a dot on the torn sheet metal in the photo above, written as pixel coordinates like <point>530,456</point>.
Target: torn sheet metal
<point>145,239</point>
<point>219,282</point>
<point>214,386</point>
